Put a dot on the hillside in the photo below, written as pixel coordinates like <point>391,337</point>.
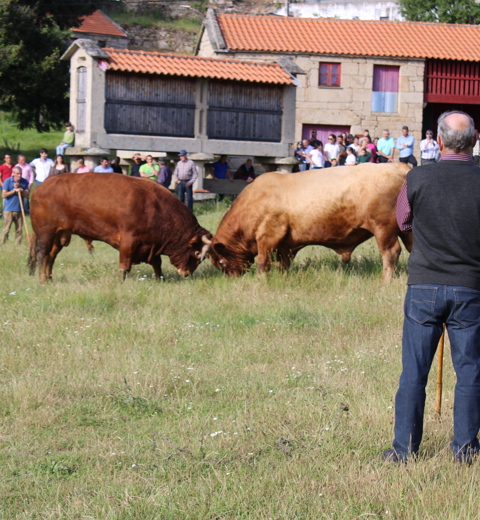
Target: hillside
<point>174,26</point>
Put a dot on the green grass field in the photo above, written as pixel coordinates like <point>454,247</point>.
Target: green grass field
<point>259,397</point>
<point>26,142</point>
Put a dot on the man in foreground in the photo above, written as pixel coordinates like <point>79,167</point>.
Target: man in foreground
<point>440,203</point>
<point>13,188</point>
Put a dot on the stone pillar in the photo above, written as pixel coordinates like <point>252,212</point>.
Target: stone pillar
<point>279,164</point>
<point>91,156</point>
<point>201,108</point>
<point>200,159</point>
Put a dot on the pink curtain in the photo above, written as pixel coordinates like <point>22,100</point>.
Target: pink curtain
<point>385,78</point>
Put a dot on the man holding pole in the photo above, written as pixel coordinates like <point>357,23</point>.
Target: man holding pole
<point>14,188</point>
<point>440,203</point>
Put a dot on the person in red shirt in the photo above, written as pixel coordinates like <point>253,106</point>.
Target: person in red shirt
<point>6,170</point>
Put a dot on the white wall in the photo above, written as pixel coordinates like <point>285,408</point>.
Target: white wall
<point>347,9</point>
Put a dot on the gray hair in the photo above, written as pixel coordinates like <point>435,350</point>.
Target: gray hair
<point>17,168</point>
<point>456,139</point>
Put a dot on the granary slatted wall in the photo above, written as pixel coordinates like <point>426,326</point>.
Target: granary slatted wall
<point>147,104</point>
<point>151,104</point>
<point>449,81</point>
<point>244,111</point>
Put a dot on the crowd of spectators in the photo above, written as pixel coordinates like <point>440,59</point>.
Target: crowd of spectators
<point>348,150</point>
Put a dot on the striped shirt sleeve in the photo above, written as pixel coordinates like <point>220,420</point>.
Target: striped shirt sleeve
<point>404,211</point>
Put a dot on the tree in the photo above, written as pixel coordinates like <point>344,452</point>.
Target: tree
<point>445,11</point>
<point>34,83</point>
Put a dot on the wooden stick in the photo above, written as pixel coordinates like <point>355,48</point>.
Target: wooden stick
<point>438,400</point>
<point>23,215</point>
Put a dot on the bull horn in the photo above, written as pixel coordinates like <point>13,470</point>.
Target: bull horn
<point>206,240</point>
<point>205,250</point>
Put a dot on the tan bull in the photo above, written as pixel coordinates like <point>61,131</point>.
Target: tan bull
<point>277,215</point>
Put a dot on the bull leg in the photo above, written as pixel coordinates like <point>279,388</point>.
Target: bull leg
<point>156,263</point>
<point>126,256</point>
<point>390,249</point>
<point>50,258</point>
<point>265,254</point>
<point>346,257</point>
<point>268,243</point>
<point>88,243</point>
<point>44,246</point>
<point>61,240</point>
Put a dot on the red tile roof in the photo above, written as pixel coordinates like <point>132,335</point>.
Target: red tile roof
<point>194,66</point>
<point>350,37</point>
<point>99,23</point>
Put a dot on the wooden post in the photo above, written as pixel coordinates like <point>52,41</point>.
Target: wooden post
<point>438,400</point>
<point>23,215</point>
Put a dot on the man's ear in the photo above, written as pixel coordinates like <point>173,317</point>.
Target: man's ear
<point>440,143</point>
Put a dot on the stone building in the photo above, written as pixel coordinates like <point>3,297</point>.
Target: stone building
<point>161,103</point>
<point>359,74</point>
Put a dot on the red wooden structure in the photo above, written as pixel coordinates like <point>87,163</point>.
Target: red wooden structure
<point>449,81</point>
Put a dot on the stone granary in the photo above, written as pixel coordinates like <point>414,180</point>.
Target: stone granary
<point>360,74</point>
<point>146,101</point>
<point>102,30</point>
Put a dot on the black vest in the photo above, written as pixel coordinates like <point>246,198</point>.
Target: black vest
<point>445,202</point>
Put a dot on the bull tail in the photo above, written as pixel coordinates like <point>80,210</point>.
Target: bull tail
<point>32,254</point>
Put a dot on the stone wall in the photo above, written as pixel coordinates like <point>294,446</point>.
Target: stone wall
<point>159,39</point>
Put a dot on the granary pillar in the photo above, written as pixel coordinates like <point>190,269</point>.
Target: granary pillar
<point>200,159</point>
<point>278,164</point>
<point>201,106</point>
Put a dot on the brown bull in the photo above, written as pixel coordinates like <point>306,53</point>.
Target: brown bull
<point>339,208</point>
<point>139,218</point>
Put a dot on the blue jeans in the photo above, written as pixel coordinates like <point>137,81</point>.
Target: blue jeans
<point>183,189</point>
<point>303,167</point>
<point>61,148</point>
<point>426,308</point>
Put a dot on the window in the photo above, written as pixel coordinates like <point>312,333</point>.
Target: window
<point>81,99</point>
<point>329,75</point>
<point>385,89</point>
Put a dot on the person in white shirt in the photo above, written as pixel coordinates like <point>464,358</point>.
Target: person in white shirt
<point>429,149</point>
<point>42,166</point>
<point>316,157</point>
<point>355,145</point>
<point>331,151</point>
<point>351,159</point>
